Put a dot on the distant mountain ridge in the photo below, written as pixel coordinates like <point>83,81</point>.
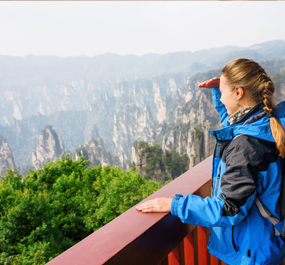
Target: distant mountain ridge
<point>47,84</point>
<point>40,70</point>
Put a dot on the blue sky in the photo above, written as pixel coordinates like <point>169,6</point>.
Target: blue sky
<point>135,27</point>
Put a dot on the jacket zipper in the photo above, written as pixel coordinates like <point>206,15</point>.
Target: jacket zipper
<point>217,181</point>
<point>234,245</point>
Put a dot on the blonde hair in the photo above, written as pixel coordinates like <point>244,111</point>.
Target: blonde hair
<point>250,75</point>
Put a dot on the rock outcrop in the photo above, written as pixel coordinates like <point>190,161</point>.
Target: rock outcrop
<point>95,152</point>
<point>49,148</point>
<point>6,156</point>
<point>157,164</point>
<point>196,143</point>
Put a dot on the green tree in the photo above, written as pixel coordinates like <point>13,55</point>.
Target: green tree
<point>54,207</point>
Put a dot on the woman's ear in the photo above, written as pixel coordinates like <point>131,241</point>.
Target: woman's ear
<point>239,92</point>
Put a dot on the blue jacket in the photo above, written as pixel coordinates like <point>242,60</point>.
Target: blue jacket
<point>243,167</point>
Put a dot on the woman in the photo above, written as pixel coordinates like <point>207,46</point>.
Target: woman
<point>247,164</point>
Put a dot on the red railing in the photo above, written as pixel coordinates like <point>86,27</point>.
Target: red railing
<point>136,238</point>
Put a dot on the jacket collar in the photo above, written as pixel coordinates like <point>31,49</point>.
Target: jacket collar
<point>255,123</point>
<point>229,132</point>
<point>254,110</point>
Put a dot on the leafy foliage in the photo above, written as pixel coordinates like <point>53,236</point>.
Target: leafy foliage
<point>55,207</point>
<point>198,132</point>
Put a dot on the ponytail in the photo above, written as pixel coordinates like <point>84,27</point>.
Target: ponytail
<point>278,133</point>
<point>276,127</point>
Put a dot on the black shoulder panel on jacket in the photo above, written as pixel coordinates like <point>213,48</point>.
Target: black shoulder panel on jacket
<point>244,157</point>
<point>221,145</point>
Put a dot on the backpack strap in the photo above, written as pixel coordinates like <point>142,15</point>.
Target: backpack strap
<point>264,212</point>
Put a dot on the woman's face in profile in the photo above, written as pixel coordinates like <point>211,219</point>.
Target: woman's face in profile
<point>228,97</point>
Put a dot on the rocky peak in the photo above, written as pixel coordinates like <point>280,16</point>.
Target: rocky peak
<point>95,152</point>
<point>6,156</point>
<point>49,147</point>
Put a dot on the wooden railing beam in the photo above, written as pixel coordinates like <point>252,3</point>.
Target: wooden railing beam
<point>154,244</point>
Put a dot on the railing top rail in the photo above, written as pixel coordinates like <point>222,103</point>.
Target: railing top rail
<point>105,243</point>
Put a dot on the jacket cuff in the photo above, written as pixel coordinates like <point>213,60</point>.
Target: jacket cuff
<point>174,204</point>
<point>215,91</point>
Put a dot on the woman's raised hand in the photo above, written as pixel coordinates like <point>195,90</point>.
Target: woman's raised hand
<point>162,205</point>
<point>212,83</point>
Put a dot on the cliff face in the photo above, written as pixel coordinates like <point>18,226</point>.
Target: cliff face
<point>49,147</point>
<point>95,152</point>
<point>190,117</point>
<point>146,105</point>
<point>183,132</point>
<point>129,124</point>
<point>6,156</point>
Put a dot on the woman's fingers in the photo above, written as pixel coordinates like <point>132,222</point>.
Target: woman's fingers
<point>156,205</point>
<point>214,82</point>
<point>145,206</point>
<point>204,84</point>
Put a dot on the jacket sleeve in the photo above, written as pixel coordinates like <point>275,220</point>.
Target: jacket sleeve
<point>245,156</point>
<point>220,107</point>
<point>207,212</point>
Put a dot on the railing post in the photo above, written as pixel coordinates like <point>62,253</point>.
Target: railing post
<point>214,260</point>
<point>189,249</point>
<point>173,256</point>
<point>202,245</point>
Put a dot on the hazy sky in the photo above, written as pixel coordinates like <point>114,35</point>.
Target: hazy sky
<point>130,27</point>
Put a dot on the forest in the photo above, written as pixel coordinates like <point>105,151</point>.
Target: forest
<point>53,208</point>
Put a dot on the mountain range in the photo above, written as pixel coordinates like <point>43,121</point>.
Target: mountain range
<point>117,98</point>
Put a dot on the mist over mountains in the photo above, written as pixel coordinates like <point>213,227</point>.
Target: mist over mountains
<point>46,84</point>
<point>126,98</point>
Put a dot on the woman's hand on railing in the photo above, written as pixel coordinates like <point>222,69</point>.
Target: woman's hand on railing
<point>212,83</point>
<point>162,205</point>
